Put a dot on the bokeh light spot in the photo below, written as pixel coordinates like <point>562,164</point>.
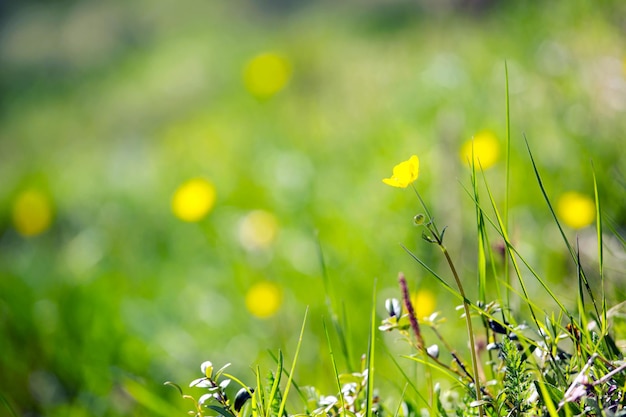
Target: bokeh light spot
<point>263,299</point>
<point>266,74</point>
<point>32,213</point>
<point>576,210</point>
<point>193,200</point>
<point>257,230</point>
<point>485,148</point>
<point>424,303</point>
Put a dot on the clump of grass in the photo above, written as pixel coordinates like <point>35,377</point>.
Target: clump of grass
<point>561,363</point>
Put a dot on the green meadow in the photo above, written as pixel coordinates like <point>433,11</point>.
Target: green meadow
<point>182,182</point>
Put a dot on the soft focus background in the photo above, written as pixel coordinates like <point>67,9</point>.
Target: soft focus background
<point>168,168</point>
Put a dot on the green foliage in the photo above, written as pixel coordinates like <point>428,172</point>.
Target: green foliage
<point>107,108</point>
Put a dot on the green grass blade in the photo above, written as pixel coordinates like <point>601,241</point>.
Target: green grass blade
<point>547,400</point>
<point>259,396</point>
<point>275,384</point>
<point>507,180</point>
<point>408,379</point>
<point>140,393</point>
<point>513,254</point>
<point>433,273</point>
<point>562,232</point>
<point>600,246</point>
<point>335,371</point>
<point>371,349</point>
<point>339,328</point>
<point>612,227</point>
<point>220,410</point>
<point>4,401</point>
<point>281,409</point>
<point>481,237</point>
<point>293,383</point>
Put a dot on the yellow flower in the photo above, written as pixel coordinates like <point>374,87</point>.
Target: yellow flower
<point>193,200</point>
<point>257,230</point>
<point>485,148</point>
<point>404,173</point>
<point>32,213</point>
<point>423,303</point>
<point>266,74</point>
<point>576,210</point>
<point>263,299</point>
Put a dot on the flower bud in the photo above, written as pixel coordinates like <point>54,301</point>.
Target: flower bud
<point>242,396</point>
<point>393,307</point>
<point>433,351</point>
<point>419,219</point>
<point>207,368</point>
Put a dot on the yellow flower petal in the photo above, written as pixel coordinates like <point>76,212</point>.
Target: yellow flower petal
<point>32,213</point>
<point>404,173</point>
<point>485,148</point>
<point>193,200</point>
<point>263,299</point>
<point>576,210</point>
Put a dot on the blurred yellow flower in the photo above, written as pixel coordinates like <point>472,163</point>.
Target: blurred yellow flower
<point>193,200</point>
<point>576,210</point>
<point>263,299</point>
<point>404,173</point>
<point>266,74</point>
<point>485,148</point>
<point>423,303</point>
<point>257,230</point>
<point>32,213</point>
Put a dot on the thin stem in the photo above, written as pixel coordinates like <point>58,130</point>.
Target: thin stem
<point>468,322</point>
<point>438,239</point>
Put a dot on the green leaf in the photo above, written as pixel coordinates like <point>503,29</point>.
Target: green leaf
<point>221,410</point>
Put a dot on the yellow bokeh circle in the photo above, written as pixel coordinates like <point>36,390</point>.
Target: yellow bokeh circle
<point>576,210</point>
<point>424,303</point>
<point>266,74</point>
<point>193,200</point>
<point>485,149</point>
<point>264,299</point>
<point>32,213</point>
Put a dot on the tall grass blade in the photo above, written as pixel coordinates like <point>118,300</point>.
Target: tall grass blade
<point>408,379</point>
<point>481,238</point>
<point>556,220</point>
<point>339,328</point>
<point>371,349</point>
<point>259,396</point>
<point>600,246</point>
<point>293,383</point>
<point>281,409</point>
<point>505,209</point>
<point>335,371</point>
<point>275,384</point>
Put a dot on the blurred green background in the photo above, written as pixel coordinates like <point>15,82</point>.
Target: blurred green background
<point>291,113</point>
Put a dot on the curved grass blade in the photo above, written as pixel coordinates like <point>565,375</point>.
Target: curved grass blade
<point>582,275</point>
